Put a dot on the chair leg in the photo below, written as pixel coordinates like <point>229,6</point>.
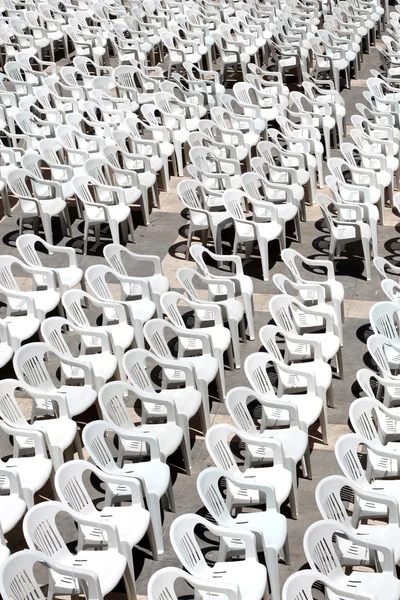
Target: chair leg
<point>153,505</point>
<point>205,406</point>
<point>138,329</point>
<point>68,221</point>
<point>323,419</point>
<point>183,422</point>
<point>271,561</point>
<point>234,328</point>
<point>131,228</point>
<point>367,254</point>
<point>48,234</point>
<point>248,306</point>
<point>263,245</point>
<point>114,228</point>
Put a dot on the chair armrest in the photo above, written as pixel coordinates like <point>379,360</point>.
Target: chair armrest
<point>138,436</point>
<point>37,436</point>
<point>248,538</point>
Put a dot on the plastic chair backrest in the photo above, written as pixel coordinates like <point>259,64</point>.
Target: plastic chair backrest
<point>211,495</point>
<point>219,448</point>
<point>320,549</point>
<point>346,452</point>
<point>299,586</point>
<point>376,347</point>
<point>384,319</point>
<point>162,585</point>
<point>256,369</point>
<point>93,437</point>
<point>391,289</point>
<point>30,365</point>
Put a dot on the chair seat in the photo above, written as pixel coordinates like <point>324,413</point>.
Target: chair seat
<point>309,407</point>
<point>371,583</point>
<point>118,213</point>
<point>60,431</point>
<point>6,353</point>
<point>109,565</point>
<point>49,207</point>
<point>44,300</point>
<point>131,522</point>
<point>121,334</point>
<point>169,437</point>
<point>33,471</point>
<point>276,476</point>
<point>157,477</point>
<point>269,525</point>
<point>12,509</point>
<point>79,398</point>
<point>294,442</point>
<point>319,369</point>
<point>250,576</point>
<point>206,368</point>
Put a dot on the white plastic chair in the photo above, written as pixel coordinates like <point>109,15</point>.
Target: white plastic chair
<point>313,295</point>
<point>386,391</point>
<point>114,322</point>
<point>44,300</point>
<point>19,573</point>
<point>95,212</point>
<point>243,283</point>
<point>205,366</point>
<point>42,532</point>
<point>232,309</point>
<point>342,232</point>
<point>130,521</point>
<point>276,475</point>
<point>382,350</point>
<point>347,455</point>
<point>33,471</point>
<point>66,277</point>
<point>334,496</point>
<point>59,433</point>
<point>391,289</point>
<point>323,556</point>
<point>102,281</point>
<point>384,319</point>
<point>207,322</point>
<point>112,400</point>
<point>309,405</point>
<point>268,526</point>
<point>304,582</point>
<point>248,574</point>
<point>293,438</point>
<point>31,366</point>
<point>153,475</point>
<point>195,196</point>
<point>185,400</point>
<point>6,350</point>
<point>101,364</point>
<point>248,232</point>
<point>225,171</point>
<point>163,582</point>
<point>267,192</point>
<point>385,269</point>
<point>327,344</point>
<point>120,259</point>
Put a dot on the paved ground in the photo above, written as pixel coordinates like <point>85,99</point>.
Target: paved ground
<point>166,237</point>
